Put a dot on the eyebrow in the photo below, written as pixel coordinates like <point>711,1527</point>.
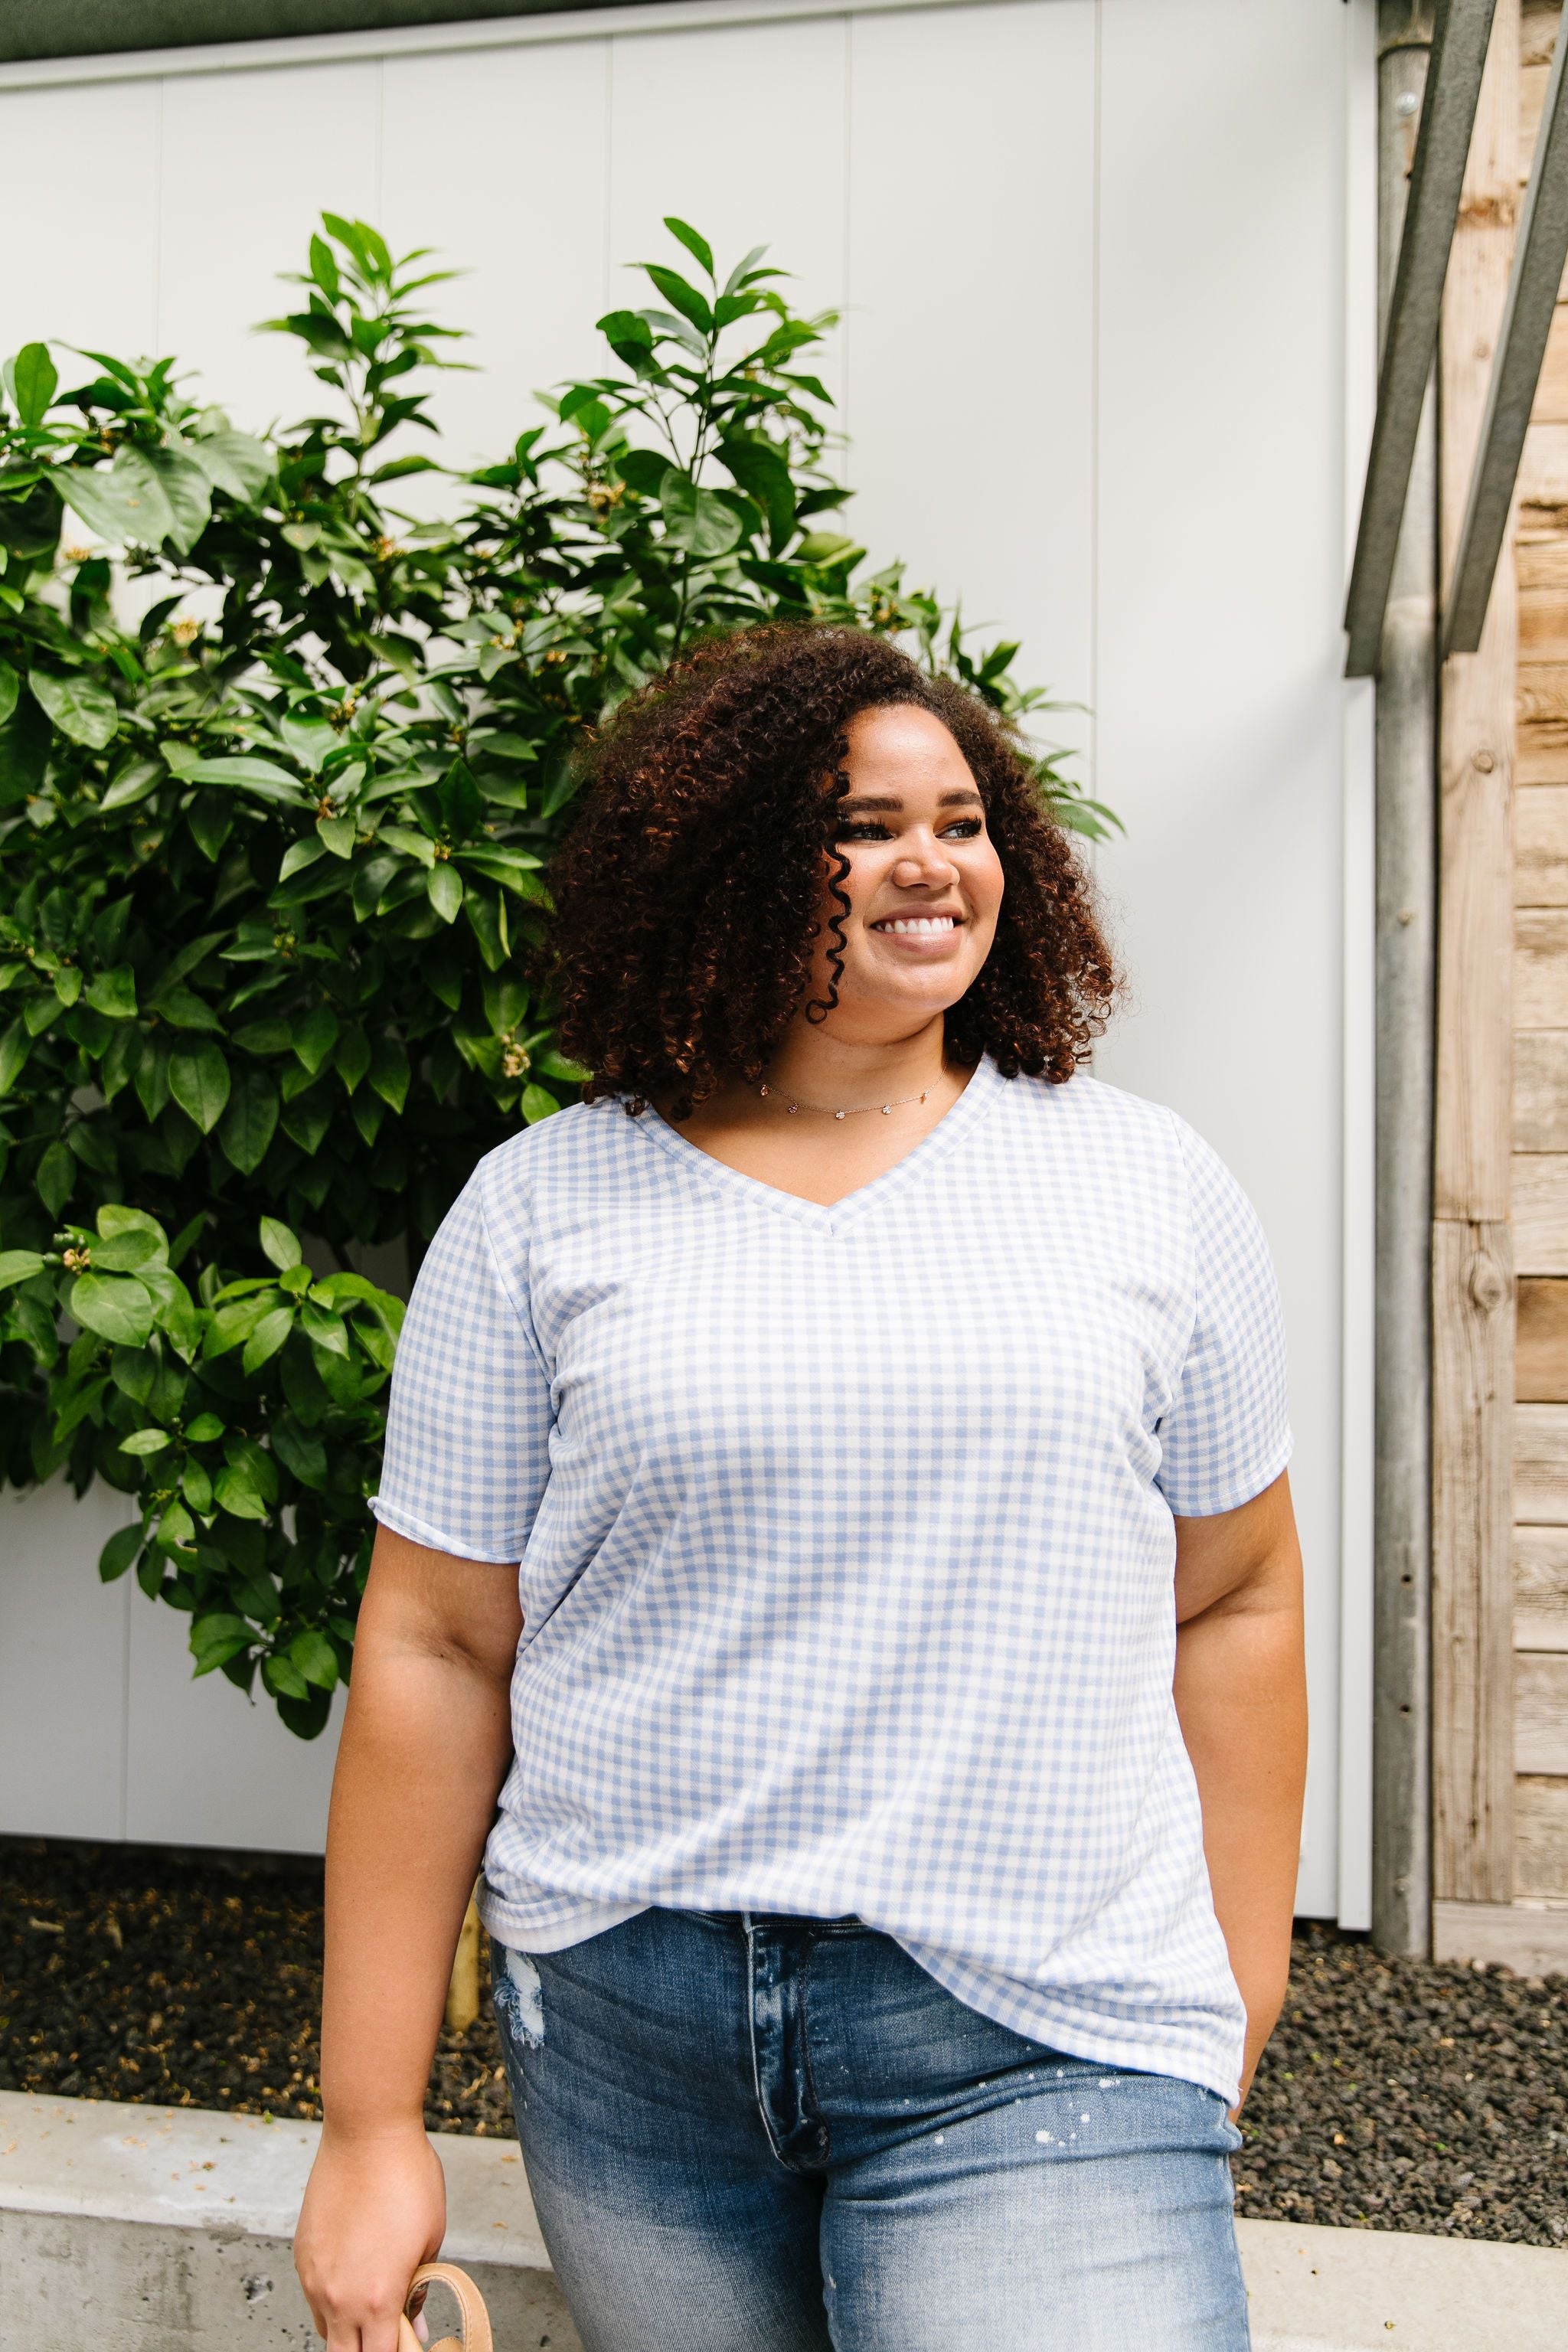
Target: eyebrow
<point>862,804</point>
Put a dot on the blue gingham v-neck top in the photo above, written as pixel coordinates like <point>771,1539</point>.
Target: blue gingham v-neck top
<point>846,1537</point>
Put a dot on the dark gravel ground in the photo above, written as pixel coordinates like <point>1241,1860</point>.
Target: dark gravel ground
<point>1395,2094</point>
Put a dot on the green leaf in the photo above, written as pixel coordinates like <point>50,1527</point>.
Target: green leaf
<point>315,1034</point>
<point>697,246</point>
<point>236,1492</point>
<point>10,687</point>
<point>18,1265</point>
<point>55,1178</point>
<point>268,1337</point>
<point>114,1218</point>
<point>204,1429</point>
<point>445,888</point>
<point>199,1082</point>
<point>682,296</point>
<point>389,1071</point>
<point>554,1064</point>
<point>15,1045</point>
<point>351,1059</point>
<point>128,1253</point>
<point>316,1659</point>
<point>79,708</point>
<point>196,1486</point>
<point>324,1328</point>
<point>262,778</point>
<point>34,383</point>
<point>283,1678</point>
<point>301,1454</point>
<point>119,1552</point>
<point>145,1441</point>
<point>134,783</point>
<point>218,1637</point>
<point>696,519</point>
<point>278,1245</point>
<point>115,1306</point>
<point>457,797</point>
<point>247,1124</point>
<point>189,495</point>
<point>236,463</point>
<point>538,1102</point>
<point>120,503</point>
<point>113,994</point>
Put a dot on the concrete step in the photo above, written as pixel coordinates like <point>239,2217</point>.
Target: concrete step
<point>132,2229</point>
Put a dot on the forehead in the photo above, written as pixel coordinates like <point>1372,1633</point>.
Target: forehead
<point>902,750</point>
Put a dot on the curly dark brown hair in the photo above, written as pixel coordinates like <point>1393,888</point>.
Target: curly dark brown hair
<point>689,894</point>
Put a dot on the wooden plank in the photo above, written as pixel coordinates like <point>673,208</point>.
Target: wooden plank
<point>1541,1711</point>
<point>1541,967</point>
<point>1540,1588</point>
<point>1538,22</point>
<point>1506,1935</point>
<point>1542,689</point>
<point>1541,1838</point>
<point>1543,472</point>
<point>1541,842</point>
<point>1540,1097</point>
<point>1472,1256</point>
<point>1543,621</point>
<point>1540,753</point>
<point>1541,1342</point>
<point>1472,1573</point>
<point>1543,558</point>
<point>1550,405</point>
<point>1532,83</point>
<point>1541,1212</point>
<point>1541,1465</point>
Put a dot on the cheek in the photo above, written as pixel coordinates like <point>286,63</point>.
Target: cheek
<point>987,883</point>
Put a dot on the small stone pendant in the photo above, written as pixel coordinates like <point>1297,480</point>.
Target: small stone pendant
<point>886,1108</point>
<point>838,1114</point>
<point>792,1108</point>
<point>764,1090</point>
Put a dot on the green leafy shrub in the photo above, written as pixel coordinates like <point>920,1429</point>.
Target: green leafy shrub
<point>281,770</point>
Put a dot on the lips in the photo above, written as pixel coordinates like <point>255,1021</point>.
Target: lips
<point>918,927</point>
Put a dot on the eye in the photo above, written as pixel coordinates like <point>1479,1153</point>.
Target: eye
<point>963,828</point>
<point>863,829</point>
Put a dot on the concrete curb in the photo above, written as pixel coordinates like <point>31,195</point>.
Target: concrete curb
<point>132,2229</point>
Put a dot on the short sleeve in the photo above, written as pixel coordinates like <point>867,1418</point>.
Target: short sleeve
<point>467,1430</point>
<point>1226,1434</point>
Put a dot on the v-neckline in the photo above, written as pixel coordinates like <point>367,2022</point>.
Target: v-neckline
<point>955,1123</point>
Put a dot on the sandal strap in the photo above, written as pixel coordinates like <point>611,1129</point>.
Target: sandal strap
<point>477,2337</point>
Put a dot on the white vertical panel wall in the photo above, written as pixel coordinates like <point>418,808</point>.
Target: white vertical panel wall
<point>1094,260</point>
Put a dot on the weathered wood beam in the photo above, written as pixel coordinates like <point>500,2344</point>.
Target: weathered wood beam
<point>1540,253</point>
<point>1473,1265</point>
<point>1437,179</point>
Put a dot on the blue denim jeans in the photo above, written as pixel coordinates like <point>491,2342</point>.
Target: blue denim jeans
<point>752,2133</point>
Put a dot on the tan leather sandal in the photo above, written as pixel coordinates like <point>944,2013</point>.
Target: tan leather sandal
<point>476,2335</point>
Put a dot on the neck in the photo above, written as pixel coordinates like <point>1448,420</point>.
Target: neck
<point>845,1072</point>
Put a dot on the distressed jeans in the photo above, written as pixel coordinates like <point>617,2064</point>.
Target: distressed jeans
<point>755,2133</point>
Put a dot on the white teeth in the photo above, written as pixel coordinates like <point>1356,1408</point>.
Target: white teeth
<point>925,924</point>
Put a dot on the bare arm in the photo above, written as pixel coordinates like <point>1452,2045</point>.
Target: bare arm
<point>1241,1697</point>
<point>427,1743</point>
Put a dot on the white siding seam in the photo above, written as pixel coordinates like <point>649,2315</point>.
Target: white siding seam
<point>424,40</point>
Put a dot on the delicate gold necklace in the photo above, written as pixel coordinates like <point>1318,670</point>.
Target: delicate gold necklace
<point>794,1103</point>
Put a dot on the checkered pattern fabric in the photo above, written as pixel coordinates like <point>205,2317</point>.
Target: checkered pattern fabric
<point>846,1537</point>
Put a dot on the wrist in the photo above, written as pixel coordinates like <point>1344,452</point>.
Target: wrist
<point>347,2126</point>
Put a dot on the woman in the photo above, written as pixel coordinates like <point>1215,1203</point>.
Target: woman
<point>900,1791</point>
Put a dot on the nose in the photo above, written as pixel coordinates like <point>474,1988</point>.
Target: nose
<point>925,864</point>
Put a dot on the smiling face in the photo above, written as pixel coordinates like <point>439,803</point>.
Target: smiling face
<point>925,882</point>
